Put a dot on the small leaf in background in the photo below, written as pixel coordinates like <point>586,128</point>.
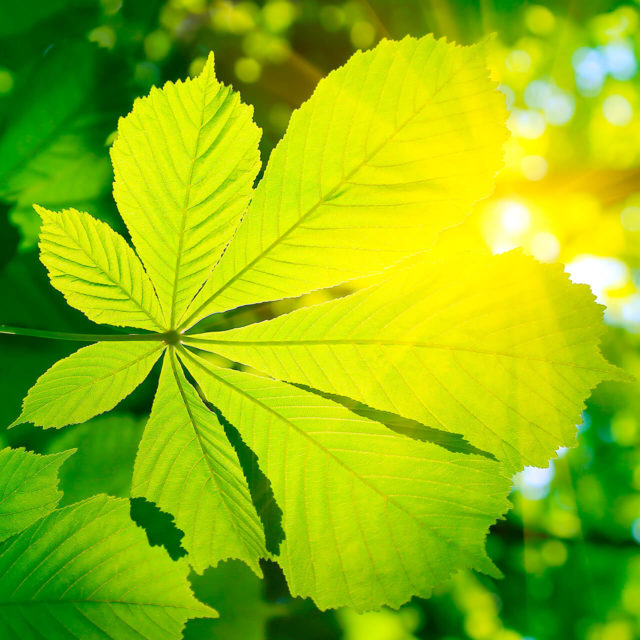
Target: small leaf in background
<point>28,488</point>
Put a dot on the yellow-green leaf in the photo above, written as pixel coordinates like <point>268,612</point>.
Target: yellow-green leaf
<point>87,572</point>
<point>186,465</point>
<point>97,271</point>
<point>370,516</point>
<point>90,381</point>
<point>184,161</point>
<point>502,350</point>
<point>28,488</point>
<point>391,149</point>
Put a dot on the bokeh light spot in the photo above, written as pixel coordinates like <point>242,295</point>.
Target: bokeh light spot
<point>363,34</point>
<point>526,123</point>
<point>630,218</point>
<point>545,246</point>
<point>617,110</point>
<point>515,216</point>
<point>6,81</point>
<point>247,69</point>
<point>539,20</point>
<point>533,482</point>
<point>598,272</point>
<point>534,167</point>
<point>518,61</point>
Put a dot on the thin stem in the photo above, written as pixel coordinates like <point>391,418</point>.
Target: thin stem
<point>84,337</point>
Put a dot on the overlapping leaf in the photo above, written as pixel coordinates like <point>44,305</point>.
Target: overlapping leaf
<point>500,349</point>
<point>390,150</point>
<point>370,516</point>
<point>187,466</point>
<point>87,571</point>
<point>28,488</point>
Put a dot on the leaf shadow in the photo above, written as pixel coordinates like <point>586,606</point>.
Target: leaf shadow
<point>159,526</point>
<point>453,442</point>
<point>260,488</point>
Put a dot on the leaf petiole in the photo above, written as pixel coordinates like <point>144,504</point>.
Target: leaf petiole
<point>85,337</point>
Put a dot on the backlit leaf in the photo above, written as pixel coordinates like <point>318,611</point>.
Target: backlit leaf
<point>87,571</point>
<point>391,149</point>
<point>187,466</point>
<point>90,381</point>
<point>369,516</point>
<point>185,160</point>
<point>500,349</point>
<point>97,271</point>
<point>28,488</point>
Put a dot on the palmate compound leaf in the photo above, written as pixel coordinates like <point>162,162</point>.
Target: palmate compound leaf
<point>391,149</point>
<point>370,516</point>
<point>184,161</point>
<point>87,571</point>
<point>500,349</point>
<point>28,488</point>
<point>186,465</point>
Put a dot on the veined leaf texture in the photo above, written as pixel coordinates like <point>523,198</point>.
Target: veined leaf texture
<point>497,352</point>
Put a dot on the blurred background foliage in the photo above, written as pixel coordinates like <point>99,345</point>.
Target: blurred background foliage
<point>570,192</point>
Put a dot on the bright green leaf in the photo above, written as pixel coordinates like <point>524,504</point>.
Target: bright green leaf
<point>391,149</point>
<point>187,466</point>
<point>28,488</point>
<point>500,349</point>
<point>90,381</point>
<point>87,571</point>
<point>369,516</point>
<point>97,271</point>
<point>185,160</point>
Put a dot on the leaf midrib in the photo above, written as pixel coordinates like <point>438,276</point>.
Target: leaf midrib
<point>185,204</point>
<point>390,343</point>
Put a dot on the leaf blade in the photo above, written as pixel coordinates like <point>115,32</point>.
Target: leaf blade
<point>500,349</point>
<point>97,271</point>
<point>28,488</point>
<point>352,494</point>
<point>88,571</point>
<point>182,189</point>
<point>110,372</point>
<point>188,468</point>
<point>357,176</point>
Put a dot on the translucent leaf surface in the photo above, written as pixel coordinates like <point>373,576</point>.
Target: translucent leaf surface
<point>185,160</point>
<point>97,271</point>
<point>370,516</point>
<point>500,349</point>
<point>393,147</point>
<point>187,466</point>
<point>87,571</point>
<point>90,381</point>
<point>28,488</point>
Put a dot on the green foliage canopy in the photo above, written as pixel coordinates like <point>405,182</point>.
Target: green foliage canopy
<point>392,149</point>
